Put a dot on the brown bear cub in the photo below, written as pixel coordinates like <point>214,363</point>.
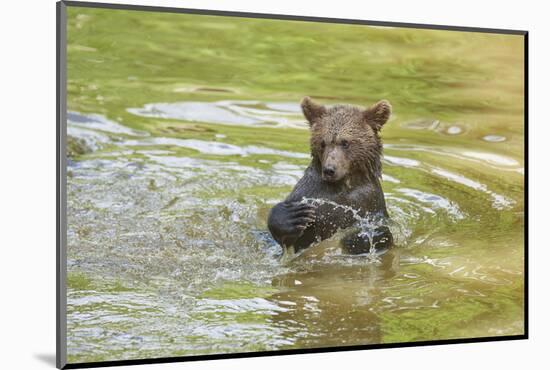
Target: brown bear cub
<point>345,169</point>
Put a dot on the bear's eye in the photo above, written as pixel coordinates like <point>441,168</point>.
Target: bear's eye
<point>345,144</point>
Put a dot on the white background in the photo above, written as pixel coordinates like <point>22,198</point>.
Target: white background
<point>27,183</point>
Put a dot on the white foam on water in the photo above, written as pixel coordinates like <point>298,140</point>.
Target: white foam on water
<point>402,162</point>
<point>228,112</point>
<point>92,139</point>
<point>243,305</point>
<point>454,130</point>
<point>499,201</point>
<point>434,200</point>
<point>193,111</point>
<point>208,147</point>
<point>492,158</point>
<point>389,178</point>
<point>179,162</point>
<point>213,147</point>
<point>494,138</point>
<point>100,123</point>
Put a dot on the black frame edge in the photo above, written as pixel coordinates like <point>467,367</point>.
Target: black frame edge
<point>526,182</point>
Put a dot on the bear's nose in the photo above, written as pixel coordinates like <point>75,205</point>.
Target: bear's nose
<point>328,171</point>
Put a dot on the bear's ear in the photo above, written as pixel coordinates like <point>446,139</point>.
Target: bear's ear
<point>378,114</point>
<point>312,110</point>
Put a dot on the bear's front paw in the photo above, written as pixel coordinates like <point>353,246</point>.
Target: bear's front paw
<point>288,220</point>
<point>300,216</point>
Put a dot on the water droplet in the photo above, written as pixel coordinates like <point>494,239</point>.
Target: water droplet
<point>454,130</point>
<point>494,138</point>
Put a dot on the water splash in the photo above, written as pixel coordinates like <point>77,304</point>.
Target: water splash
<point>367,224</point>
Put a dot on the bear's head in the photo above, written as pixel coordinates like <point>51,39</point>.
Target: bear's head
<point>345,140</point>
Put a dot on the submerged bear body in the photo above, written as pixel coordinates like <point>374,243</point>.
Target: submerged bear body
<point>345,170</point>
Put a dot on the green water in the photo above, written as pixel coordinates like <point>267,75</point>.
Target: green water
<point>184,131</point>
